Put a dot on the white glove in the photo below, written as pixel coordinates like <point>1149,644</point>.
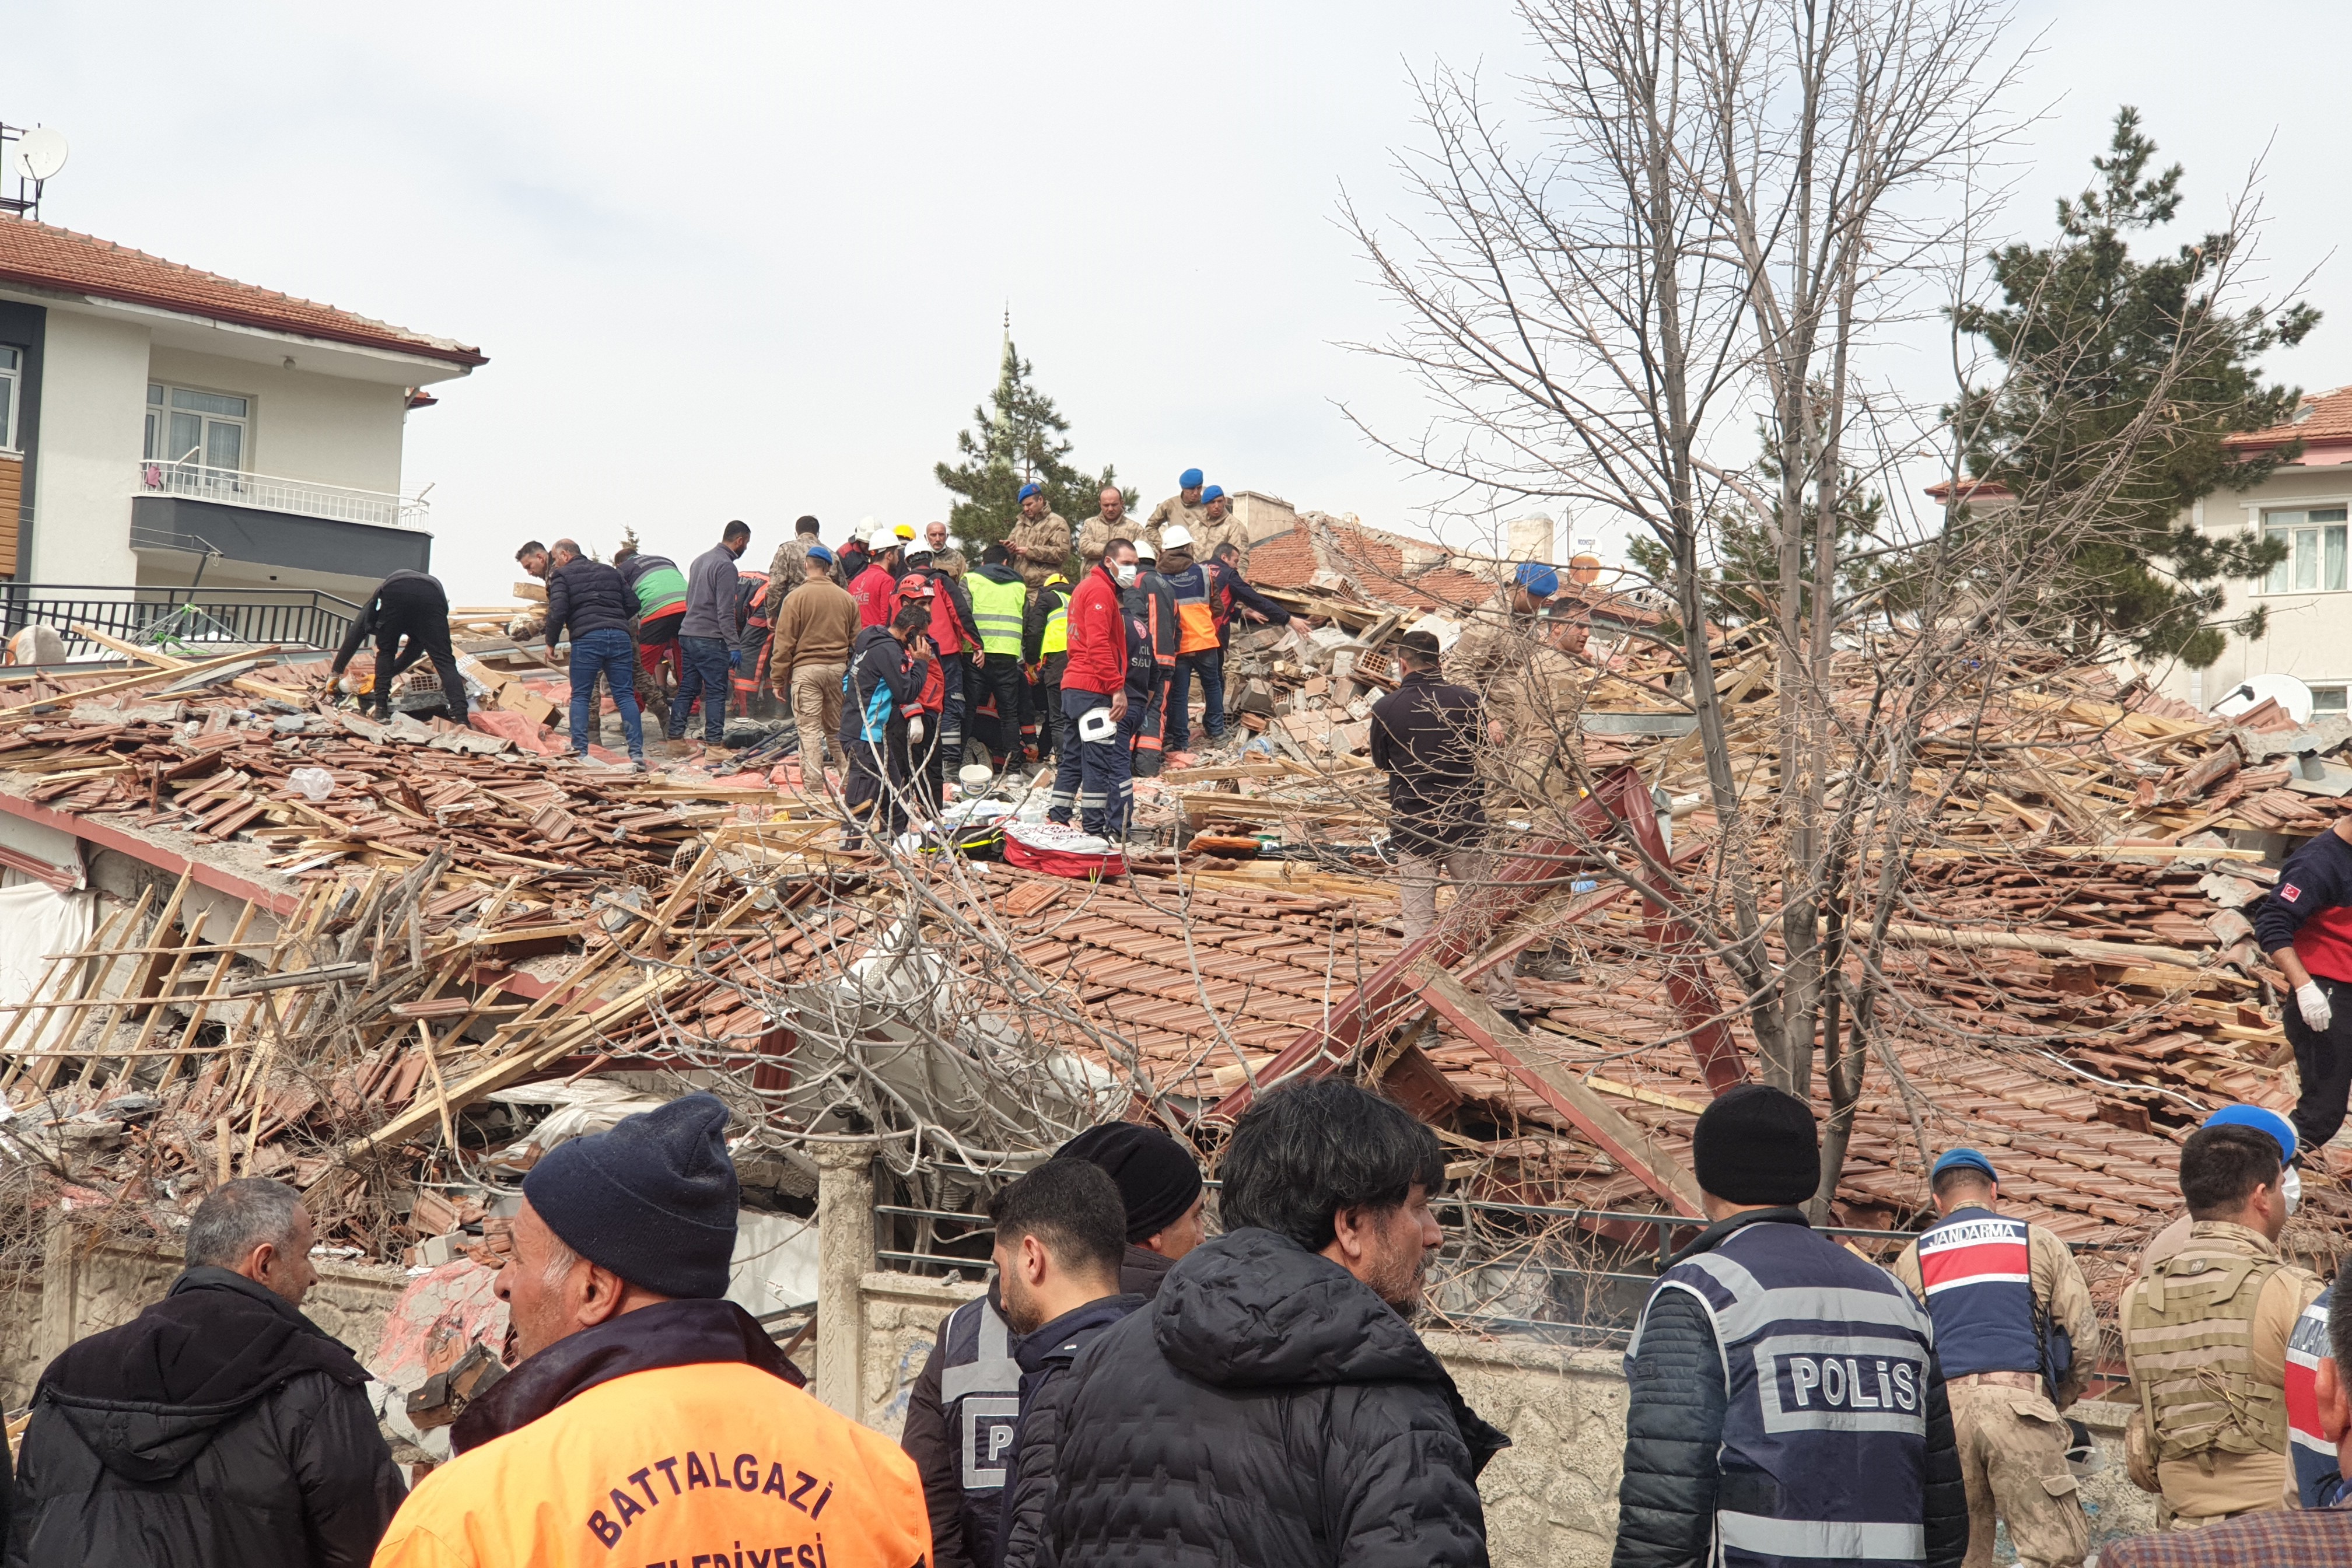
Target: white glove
<point>2313,1001</point>
<point>915,738</point>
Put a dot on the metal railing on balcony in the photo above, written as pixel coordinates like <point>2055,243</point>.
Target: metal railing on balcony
<point>268,492</point>
<point>168,618</point>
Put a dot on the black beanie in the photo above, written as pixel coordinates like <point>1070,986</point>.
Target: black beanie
<point>1158,1177</point>
<point>1758,1144</point>
<point>653,1200</point>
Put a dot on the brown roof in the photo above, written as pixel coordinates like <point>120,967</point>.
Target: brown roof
<point>2325,419</point>
<point>1376,563</point>
<point>49,258</point>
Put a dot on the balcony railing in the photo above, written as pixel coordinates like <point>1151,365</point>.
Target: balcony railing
<point>162,616</point>
<point>267,492</point>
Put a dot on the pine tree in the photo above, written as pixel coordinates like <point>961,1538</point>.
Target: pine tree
<point>1019,437</point>
<point>2092,335</point>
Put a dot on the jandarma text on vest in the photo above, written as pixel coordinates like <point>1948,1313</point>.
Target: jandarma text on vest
<point>793,1486</point>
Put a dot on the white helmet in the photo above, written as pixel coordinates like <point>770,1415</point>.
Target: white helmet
<point>1176,536</point>
<point>878,536</point>
<point>1143,551</point>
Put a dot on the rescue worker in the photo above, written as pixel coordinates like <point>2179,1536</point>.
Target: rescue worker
<point>1184,507</point>
<point>1218,527</point>
<point>809,658</point>
<point>754,619</point>
<point>660,588</point>
<point>1060,1232</point>
<point>705,640</point>
<point>1109,522</point>
<point>1248,604</point>
<point>1045,652</point>
<point>1786,1403</point>
<point>849,561</point>
<point>875,586</point>
<point>2205,1334</point>
<point>788,567</point>
<point>1151,604</point>
<point>2304,924</point>
<point>1498,635</point>
<point>1039,543</point>
<point>955,637</point>
<point>408,615</point>
<point>1532,720</point>
<point>651,1419</point>
<point>903,535</point>
<point>999,599</point>
<point>1424,736</point>
<point>2318,1480</point>
<point>926,767</point>
<point>961,1409</point>
<point>1196,587</point>
<point>1093,777</point>
<point>2011,1309</point>
<point>882,718</point>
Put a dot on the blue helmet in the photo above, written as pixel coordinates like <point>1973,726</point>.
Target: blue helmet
<point>2260,1121</point>
<point>1964,1160</point>
<point>1190,479</point>
<point>1536,578</point>
<point>1028,490</point>
<point>1214,492</point>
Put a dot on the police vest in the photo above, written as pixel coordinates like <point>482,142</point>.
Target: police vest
<point>1057,619</point>
<point>1824,1445</point>
<point>1196,620</point>
<point>1978,1269</point>
<point>980,1394</point>
<point>996,612</point>
<point>2315,1456</point>
<point>2189,1339</point>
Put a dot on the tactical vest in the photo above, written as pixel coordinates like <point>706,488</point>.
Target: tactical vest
<point>2189,1339</point>
<point>1977,1270</point>
<point>1824,1448</point>
<point>2315,1456</point>
<point>996,612</point>
<point>980,1389</point>
<point>1057,619</point>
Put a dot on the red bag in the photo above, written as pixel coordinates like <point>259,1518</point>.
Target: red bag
<point>1061,863</point>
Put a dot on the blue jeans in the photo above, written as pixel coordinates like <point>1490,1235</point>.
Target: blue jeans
<point>607,653</point>
<point>1093,775</point>
<point>705,676</point>
<point>1211,664</point>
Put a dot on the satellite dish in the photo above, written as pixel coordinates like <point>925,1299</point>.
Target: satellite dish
<point>2291,694</point>
<point>40,152</point>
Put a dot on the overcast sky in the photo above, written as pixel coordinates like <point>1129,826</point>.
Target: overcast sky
<point>736,261</point>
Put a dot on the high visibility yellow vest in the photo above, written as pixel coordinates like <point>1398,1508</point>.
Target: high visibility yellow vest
<point>996,610</point>
<point>1057,624</point>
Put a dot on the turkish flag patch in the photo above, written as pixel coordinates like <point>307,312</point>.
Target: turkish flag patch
<point>2289,892</point>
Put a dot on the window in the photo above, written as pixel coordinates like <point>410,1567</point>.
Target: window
<point>205,430</point>
<point>12,370</point>
<point>2314,554</point>
<point>2326,700</point>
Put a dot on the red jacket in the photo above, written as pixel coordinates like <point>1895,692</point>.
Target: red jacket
<point>1098,637</point>
<point>876,593</point>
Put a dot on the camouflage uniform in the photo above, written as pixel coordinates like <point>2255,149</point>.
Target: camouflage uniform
<point>1175,508</point>
<point>1095,536</point>
<point>1537,703</point>
<point>1210,532</point>
<point>1044,547</point>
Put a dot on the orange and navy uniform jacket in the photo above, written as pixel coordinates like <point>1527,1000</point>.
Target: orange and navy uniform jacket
<point>2310,907</point>
<point>615,1453</point>
<point>1203,603</point>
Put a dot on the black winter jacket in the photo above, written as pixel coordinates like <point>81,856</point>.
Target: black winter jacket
<point>407,603</point>
<point>220,1428</point>
<point>1267,1408</point>
<point>1425,737</point>
<point>585,596</point>
<point>1673,1430</point>
<point>1047,1386</point>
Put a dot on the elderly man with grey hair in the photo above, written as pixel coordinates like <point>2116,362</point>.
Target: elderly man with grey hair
<point>218,1427</point>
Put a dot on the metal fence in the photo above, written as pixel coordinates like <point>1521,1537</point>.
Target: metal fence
<point>165,618</point>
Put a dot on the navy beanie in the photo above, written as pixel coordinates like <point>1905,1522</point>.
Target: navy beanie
<point>1158,1178</point>
<point>1757,1144</point>
<point>653,1200</point>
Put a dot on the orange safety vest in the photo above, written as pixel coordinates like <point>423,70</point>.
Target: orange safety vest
<point>690,1464</point>
<point>1196,617</point>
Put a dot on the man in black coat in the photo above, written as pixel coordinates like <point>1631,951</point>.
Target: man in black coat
<point>1426,738</point>
<point>1786,1400</point>
<point>408,615</point>
<point>220,1428</point>
<point>1272,1404</point>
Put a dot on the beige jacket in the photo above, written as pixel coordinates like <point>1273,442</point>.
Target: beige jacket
<point>1041,546</point>
<point>816,626</point>
<point>2058,1287</point>
<point>1095,536</point>
<point>1195,518</point>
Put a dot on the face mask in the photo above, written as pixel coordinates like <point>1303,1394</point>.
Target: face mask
<point>2291,1189</point>
<point>1124,575</point>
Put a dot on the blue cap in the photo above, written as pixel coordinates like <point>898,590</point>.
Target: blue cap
<point>2260,1121</point>
<point>1190,479</point>
<point>1214,492</point>
<point>1028,490</point>
<point>1536,578</point>
<point>1964,1160</point>
<point>819,553</point>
